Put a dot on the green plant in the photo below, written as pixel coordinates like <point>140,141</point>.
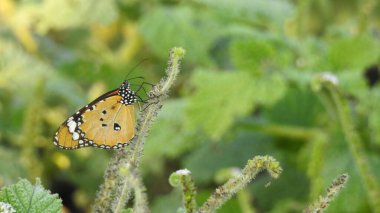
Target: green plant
<point>250,86</point>
<point>25,197</point>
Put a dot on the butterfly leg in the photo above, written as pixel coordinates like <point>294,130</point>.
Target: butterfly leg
<point>142,87</point>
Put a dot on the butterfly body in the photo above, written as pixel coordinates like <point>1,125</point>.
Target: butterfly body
<point>107,122</point>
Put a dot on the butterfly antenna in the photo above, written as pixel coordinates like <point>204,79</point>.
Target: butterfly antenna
<point>141,87</point>
<point>149,105</point>
<point>134,68</point>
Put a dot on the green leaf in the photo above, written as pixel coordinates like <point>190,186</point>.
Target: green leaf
<point>232,205</point>
<point>368,108</point>
<point>353,83</point>
<point>25,197</point>
<point>167,203</point>
<point>299,107</point>
<point>9,172</point>
<point>205,162</point>
<point>69,14</point>
<point>166,27</point>
<point>266,13</point>
<point>87,171</point>
<point>222,97</point>
<point>129,210</point>
<point>279,189</point>
<point>169,137</point>
<point>353,53</point>
<point>15,68</point>
<point>338,161</point>
<point>252,55</point>
<point>269,89</point>
<point>219,99</point>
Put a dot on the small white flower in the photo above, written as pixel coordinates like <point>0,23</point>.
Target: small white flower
<point>235,171</point>
<point>6,208</point>
<point>328,76</point>
<point>183,172</point>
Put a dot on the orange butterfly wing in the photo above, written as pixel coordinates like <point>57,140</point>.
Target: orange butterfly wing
<point>107,122</point>
<point>112,123</point>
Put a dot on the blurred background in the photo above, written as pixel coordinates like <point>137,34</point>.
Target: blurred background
<point>244,90</point>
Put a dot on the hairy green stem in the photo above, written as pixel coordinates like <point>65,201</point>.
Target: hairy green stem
<point>226,191</point>
<point>183,178</point>
<point>318,141</point>
<point>244,199</point>
<point>141,199</point>
<point>31,135</point>
<point>243,196</point>
<point>123,188</point>
<point>158,94</point>
<point>119,205</point>
<point>365,12</point>
<point>315,165</point>
<point>357,149</point>
<point>106,194</point>
<point>133,179</point>
<point>108,197</point>
<point>324,85</point>
<point>302,17</point>
<point>292,132</point>
<point>332,191</point>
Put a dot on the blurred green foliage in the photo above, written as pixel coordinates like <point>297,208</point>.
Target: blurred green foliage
<point>244,90</point>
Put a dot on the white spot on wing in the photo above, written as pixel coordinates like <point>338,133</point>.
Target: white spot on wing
<point>75,136</point>
<point>72,125</point>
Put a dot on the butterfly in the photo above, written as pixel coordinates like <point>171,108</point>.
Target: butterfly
<point>108,122</point>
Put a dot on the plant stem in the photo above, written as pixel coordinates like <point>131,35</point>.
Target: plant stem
<point>106,193</point>
<point>365,11</point>
<point>317,142</point>
<point>115,184</point>
<point>158,94</point>
<point>315,164</point>
<point>292,132</point>
<point>244,199</point>
<point>133,179</point>
<point>326,87</point>
<point>332,191</point>
<point>356,146</point>
<point>183,178</point>
<point>226,191</point>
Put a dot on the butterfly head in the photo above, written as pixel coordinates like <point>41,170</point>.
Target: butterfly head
<point>125,84</point>
<point>128,97</point>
